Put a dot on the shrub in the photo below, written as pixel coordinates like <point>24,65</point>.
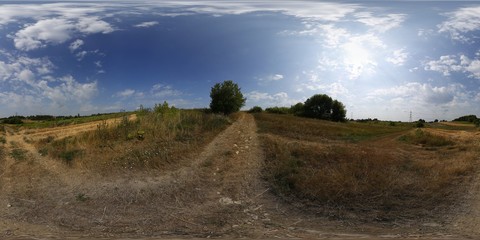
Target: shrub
<point>278,110</point>
<point>255,109</point>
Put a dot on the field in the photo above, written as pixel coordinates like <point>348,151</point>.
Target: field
<point>186,173</point>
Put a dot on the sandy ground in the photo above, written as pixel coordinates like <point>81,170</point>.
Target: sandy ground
<point>220,194</point>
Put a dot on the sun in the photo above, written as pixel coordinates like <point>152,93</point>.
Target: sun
<point>357,59</point>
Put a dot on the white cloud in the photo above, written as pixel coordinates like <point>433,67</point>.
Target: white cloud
<point>76,45</point>
<point>270,78</point>
<point>455,63</point>
<point>125,93</point>
<point>421,93</point>
<point>146,24</point>
<point>398,57</point>
<point>163,91</point>
<point>44,31</point>
<point>28,86</point>
<point>380,23</point>
<point>335,89</point>
<point>264,99</point>
<point>56,31</point>
<point>460,22</point>
<point>90,25</point>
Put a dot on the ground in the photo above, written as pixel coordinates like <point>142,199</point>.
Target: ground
<point>220,194</point>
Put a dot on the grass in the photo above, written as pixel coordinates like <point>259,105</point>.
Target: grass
<point>375,176</point>
<point>307,129</point>
<point>426,139</point>
<point>72,121</point>
<point>155,140</point>
<point>18,154</point>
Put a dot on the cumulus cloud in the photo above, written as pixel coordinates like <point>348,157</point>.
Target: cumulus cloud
<point>27,85</point>
<point>398,57</point>
<point>146,24</point>
<point>455,63</point>
<point>56,31</point>
<point>460,22</point>
<point>422,93</point>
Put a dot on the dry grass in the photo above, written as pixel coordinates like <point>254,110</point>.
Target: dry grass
<point>379,178</point>
<point>157,139</point>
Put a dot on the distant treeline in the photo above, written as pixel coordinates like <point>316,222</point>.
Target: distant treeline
<point>467,118</point>
<point>319,106</point>
<point>19,119</point>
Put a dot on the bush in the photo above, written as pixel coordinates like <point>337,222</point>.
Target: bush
<point>278,110</point>
<point>298,109</point>
<point>255,109</point>
<point>13,120</point>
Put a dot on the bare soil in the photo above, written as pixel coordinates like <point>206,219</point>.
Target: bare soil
<point>220,194</point>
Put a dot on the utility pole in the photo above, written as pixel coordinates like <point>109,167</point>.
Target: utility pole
<point>410,116</point>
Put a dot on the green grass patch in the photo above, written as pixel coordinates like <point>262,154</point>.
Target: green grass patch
<point>426,139</point>
<point>316,130</point>
<point>19,154</point>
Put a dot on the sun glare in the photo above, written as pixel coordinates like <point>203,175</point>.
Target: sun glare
<point>357,58</point>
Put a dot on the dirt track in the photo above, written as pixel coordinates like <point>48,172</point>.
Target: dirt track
<point>220,194</point>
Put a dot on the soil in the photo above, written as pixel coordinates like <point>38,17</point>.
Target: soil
<point>220,194</point>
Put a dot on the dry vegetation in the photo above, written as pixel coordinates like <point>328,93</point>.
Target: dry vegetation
<point>156,139</point>
<point>387,173</point>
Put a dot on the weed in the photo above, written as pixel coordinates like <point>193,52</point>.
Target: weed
<point>3,140</point>
<point>81,197</point>
<point>426,139</point>
<point>19,154</point>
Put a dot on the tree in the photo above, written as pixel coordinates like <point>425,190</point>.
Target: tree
<point>226,98</point>
<point>297,109</point>
<point>338,111</point>
<point>322,106</point>
<point>318,106</point>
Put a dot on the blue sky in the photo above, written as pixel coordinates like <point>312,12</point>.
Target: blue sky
<point>382,59</point>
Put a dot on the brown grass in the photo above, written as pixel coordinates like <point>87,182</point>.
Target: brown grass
<point>157,139</point>
<point>379,178</point>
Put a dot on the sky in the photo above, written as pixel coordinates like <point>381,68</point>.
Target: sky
<point>382,59</point>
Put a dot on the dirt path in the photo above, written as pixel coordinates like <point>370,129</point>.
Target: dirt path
<point>220,194</point>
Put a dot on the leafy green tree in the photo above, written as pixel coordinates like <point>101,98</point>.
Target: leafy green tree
<point>226,98</point>
<point>322,106</point>
<point>297,109</point>
<point>319,106</point>
<point>338,111</point>
<point>255,109</point>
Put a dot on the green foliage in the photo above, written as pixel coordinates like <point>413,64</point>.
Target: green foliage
<point>13,120</point>
<point>420,124</point>
<point>298,109</point>
<point>226,98</point>
<point>19,154</point>
<point>467,118</point>
<point>278,110</point>
<point>338,111</point>
<point>82,197</point>
<point>424,138</point>
<point>255,109</point>
<point>321,106</point>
